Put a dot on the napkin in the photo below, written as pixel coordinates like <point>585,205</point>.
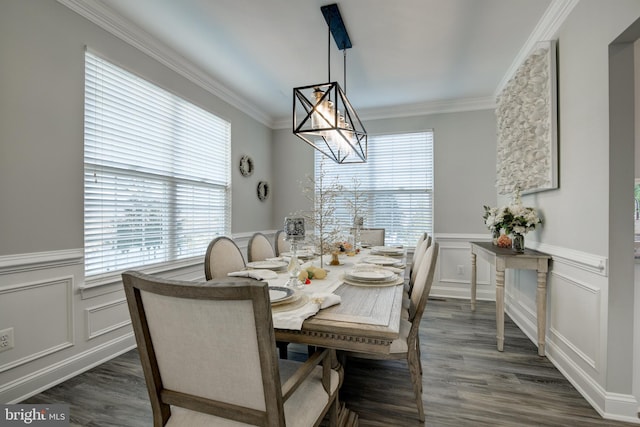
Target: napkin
<point>293,319</point>
<point>258,274</point>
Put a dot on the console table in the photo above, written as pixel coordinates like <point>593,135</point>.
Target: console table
<point>503,258</point>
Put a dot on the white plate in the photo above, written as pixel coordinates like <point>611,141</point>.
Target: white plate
<point>279,294</point>
<point>371,275</point>
<point>387,250</point>
<point>398,281</point>
<point>380,260</point>
<point>269,265</point>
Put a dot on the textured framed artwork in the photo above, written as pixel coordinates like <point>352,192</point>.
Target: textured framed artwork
<point>527,128</point>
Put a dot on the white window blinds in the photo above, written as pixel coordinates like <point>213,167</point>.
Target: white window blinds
<point>156,173</point>
<point>396,183</point>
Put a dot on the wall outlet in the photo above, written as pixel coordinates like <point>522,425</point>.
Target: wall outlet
<point>6,339</point>
<point>460,270</point>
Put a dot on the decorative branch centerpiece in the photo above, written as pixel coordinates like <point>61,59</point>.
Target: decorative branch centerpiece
<point>326,228</point>
<point>515,219</point>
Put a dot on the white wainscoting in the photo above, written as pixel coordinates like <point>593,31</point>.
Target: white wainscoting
<point>577,297</point>
<point>452,278</point>
<point>58,331</point>
<point>64,326</point>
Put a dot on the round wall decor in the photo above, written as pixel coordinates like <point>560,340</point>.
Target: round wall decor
<point>263,190</point>
<point>246,165</point>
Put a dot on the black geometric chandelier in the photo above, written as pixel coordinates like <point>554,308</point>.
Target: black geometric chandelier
<point>322,115</point>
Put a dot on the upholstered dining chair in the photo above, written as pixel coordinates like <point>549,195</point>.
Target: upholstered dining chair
<point>281,245</point>
<point>259,248</point>
<point>372,236</point>
<point>418,257</point>
<point>223,256</point>
<point>407,346</point>
<point>208,356</point>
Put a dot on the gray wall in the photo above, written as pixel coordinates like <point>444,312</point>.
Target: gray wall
<point>41,126</point>
<point>464,166</point>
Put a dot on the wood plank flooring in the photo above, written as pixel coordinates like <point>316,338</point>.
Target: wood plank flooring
<point>467,382</point>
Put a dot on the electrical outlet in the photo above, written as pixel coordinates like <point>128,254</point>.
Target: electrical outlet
<point>6,339</point>
<point>460,270</point>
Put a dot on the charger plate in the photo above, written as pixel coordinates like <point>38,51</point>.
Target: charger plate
<point>398,281</point>
<point>381,260</point>
<point>278,294</point>
<point>297,301</point>
<point>370,275</point>
<point>268,265</point>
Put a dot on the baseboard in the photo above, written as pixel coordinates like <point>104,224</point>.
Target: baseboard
<point>610,406</point>
<point>22,388</point>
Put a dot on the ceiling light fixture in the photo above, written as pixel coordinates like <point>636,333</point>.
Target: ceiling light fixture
<point>322,115</point>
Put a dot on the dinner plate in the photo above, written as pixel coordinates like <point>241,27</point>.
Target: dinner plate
<point>397,281</point>
<point>380,260</point>
<point>279,294</point>
<point>294,303</point>
<point>371,275</point>
<point>392,250</point>
<point>269,265</point>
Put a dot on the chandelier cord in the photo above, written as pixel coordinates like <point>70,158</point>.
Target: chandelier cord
<point>329,53</point>
<point>344,69</point>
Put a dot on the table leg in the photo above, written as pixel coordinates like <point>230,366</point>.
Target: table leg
<point>500,308</point>
<point>473,281</point>
<point>541,303</point>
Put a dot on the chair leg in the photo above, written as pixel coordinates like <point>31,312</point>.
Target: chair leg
<point>415,369</point>
<point>333,413</point>
<point>282,348</point>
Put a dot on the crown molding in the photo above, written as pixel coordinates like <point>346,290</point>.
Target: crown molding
<point>96,12</point>
<point>546,29</point>
<point>412,110</point>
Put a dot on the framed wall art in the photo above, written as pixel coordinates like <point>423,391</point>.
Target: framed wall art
<point>527,125</point>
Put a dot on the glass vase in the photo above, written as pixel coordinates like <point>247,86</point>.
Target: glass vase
<point>517,243</point>
<point>496,235</point>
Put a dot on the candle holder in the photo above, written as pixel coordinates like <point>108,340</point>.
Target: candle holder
<point>294,233</point>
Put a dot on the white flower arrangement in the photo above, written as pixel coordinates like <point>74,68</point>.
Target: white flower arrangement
<point>513,219</point>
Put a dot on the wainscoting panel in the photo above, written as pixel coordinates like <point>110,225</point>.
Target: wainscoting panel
<point>36,336</point>
<point>453,273</point>
<point>105,318</point>
<point>577,325</point>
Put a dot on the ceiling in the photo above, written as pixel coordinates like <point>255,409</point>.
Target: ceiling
<point>408,56</point>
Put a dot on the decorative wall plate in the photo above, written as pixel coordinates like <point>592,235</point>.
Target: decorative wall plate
<point>246,165</point>
<point>263,190</point>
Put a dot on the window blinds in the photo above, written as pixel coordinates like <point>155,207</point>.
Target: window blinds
<point>396,184</point>
<point>156,173</point>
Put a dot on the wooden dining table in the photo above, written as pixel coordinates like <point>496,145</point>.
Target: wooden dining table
<point>367,319</point>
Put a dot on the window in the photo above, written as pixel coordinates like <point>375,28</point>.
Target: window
<point>156,173</point>
<point>396,183</point>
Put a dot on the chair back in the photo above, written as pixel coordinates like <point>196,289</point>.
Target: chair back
<point>206,347</point>
<point>422,238</point>
<point>422,285</point>
<point>281,244</point>
<point>259,248</point>
<point>416,261</point>
<point>223,256</point>
<point>372,236</point>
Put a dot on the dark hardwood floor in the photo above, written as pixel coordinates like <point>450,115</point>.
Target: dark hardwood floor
<point>467,382</point>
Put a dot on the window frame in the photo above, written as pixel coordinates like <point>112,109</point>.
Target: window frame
<point>184,186</point>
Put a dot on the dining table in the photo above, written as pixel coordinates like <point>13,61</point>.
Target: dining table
<point>363,316</point>
<point>367,317</point>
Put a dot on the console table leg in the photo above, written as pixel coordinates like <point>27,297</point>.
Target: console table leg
<point>473,281</point>
<point>500,309</point>
<point>541,303</point>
